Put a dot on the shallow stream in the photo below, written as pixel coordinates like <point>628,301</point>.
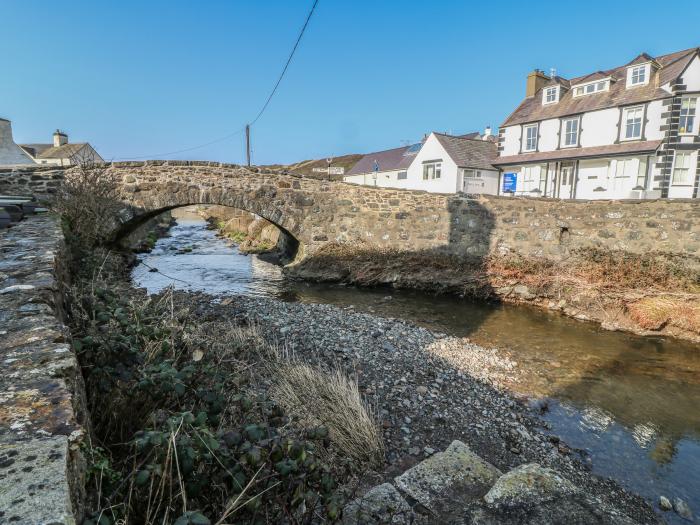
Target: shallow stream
<point>631,404</point>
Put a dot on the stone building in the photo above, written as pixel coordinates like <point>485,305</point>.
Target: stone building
<point>10,153</point>
<point>60,152</point>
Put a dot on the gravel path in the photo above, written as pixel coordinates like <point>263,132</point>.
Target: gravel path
<point>429,389</point>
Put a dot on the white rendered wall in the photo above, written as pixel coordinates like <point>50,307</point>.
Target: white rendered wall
<point>653,124</point>
<point>511,142</point>
<point>549,135</point>
<point>691,76</point>
<point>599,128</point>
<point>432,150</point>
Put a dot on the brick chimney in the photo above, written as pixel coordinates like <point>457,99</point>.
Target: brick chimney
<point>59,138</point>
<point>535,81</point>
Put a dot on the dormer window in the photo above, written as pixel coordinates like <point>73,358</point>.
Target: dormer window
<point>638,75</point>
<point>591,87</point>
<point>550,95</point>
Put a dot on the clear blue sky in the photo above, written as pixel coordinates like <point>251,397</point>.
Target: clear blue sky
<point>146,77</point>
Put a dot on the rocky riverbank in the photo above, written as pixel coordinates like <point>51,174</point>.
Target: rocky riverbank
<point>428,390</point>
<point>651,294</point>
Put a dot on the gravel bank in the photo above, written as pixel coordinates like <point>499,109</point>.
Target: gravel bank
<point>429,389</point>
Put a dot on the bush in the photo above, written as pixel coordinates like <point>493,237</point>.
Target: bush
<point>180,430</point>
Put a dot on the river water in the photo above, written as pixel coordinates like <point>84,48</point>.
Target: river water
<point>631,404</point>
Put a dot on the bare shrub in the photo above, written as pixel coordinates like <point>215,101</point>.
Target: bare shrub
<point>333,400</point>
<point>89,200</point>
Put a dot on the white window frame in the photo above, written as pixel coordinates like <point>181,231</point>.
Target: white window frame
<point>626,122</point>
<point>473,174</point>
<point>552,91</point>
<point>688,170</point>
<point>590,88</point>
<point>690,116</point>
<point>566,132</point>
<point>402,175</point>
<point>526,129</point>
<point>642,74</point>
<point>432,170</point>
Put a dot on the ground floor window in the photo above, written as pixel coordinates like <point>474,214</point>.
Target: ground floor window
<point>402,175</point>
<point>682,169</point>
<point>472,174</point>
<point>432,170</point>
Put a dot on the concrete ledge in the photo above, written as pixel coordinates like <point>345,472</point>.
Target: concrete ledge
<point>42,398</point>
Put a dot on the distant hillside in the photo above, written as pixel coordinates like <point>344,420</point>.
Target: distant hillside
<point>306,167</point>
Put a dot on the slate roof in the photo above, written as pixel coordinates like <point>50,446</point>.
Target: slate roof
<point>388,160</point>
<point>469,152</point>
<point>670,67</point>
<point>48,151</point>
<point>624,148</point>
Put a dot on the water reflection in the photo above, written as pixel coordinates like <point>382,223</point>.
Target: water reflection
<point>632,403</point>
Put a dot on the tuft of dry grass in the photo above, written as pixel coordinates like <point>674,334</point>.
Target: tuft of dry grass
<point>653,313</point>
<point>333,400</point>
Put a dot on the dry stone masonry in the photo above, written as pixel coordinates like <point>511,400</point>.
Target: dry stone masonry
<point>42,401</point>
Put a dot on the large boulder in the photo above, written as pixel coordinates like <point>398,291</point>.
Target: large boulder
<point>528,484</point>
<point>381,505</point>
<point>447,481</point>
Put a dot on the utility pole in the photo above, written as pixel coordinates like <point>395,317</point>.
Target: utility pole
<point>247,144</point>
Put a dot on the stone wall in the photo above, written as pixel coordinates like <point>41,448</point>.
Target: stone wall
<point>42,397</point>
<point>41,181</point>
<point>317,212</point>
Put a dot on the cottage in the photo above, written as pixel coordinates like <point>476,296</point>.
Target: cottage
<point>441,163</point>
<point>60,152</point>
<point>10,153</point>
<point>626,133</point>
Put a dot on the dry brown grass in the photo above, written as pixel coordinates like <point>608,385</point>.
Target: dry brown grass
<point>333,400</point>
<point>653,313</point>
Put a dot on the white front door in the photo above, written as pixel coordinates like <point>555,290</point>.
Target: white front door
<point>566,176</point>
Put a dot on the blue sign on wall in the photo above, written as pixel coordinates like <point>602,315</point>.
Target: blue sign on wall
<point>510,181</point>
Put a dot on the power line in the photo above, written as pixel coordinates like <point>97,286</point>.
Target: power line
<point>230,135</point>
<point>260,113</point>
<point>289,60</point>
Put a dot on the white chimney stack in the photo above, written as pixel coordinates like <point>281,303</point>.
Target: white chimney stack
<point>487,133</point>
<point>59,138</point>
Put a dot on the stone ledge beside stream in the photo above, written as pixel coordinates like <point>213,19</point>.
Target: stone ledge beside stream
<point>42,398</point>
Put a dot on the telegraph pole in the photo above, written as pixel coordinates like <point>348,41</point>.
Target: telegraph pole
<point>247,144</point>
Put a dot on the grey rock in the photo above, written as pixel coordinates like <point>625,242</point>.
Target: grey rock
<point>665,503</point>
<point>448,480</point>
<point>528,484</point>
<point>382,504</point>
<point>682,509</point>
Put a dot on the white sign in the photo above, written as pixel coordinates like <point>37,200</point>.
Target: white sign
<point>334,170</point>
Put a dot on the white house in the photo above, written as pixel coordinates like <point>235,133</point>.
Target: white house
<point>441,163</point>
<point>10,153</point>
<point>628,132</point>
<point>60,152</point>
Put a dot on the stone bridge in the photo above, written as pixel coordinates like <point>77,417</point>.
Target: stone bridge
<point>316,212</point>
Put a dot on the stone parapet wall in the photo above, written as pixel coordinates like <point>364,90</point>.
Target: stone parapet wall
<point>42,397</point>
<point>317,212</point>
<point>41,181</point>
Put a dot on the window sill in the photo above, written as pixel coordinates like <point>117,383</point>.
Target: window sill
<point>631,139</point>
